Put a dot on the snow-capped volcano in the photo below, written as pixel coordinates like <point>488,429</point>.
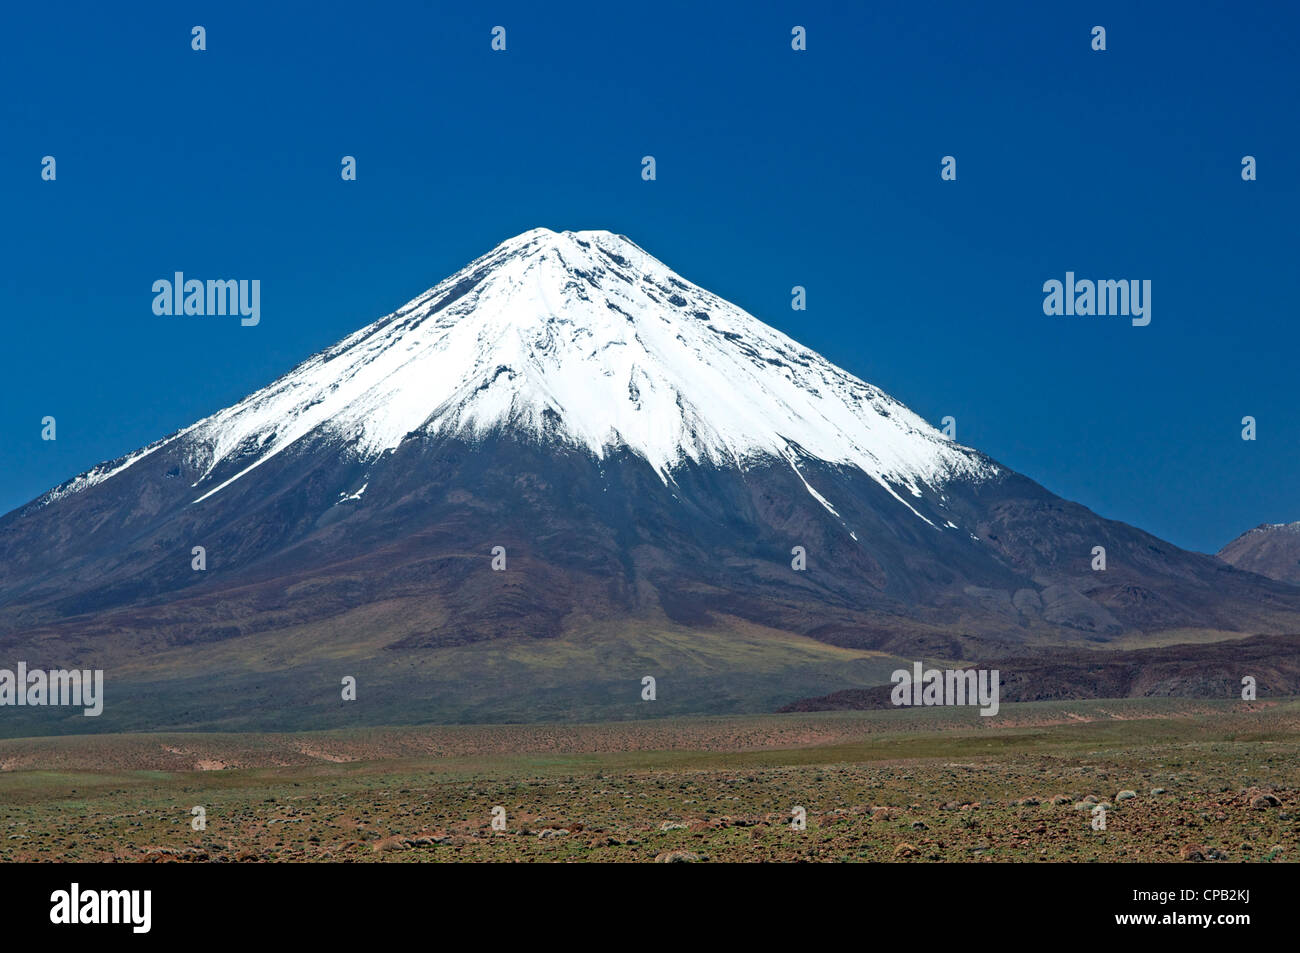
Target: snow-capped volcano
<point>558,465</point>
<point>585,338</point>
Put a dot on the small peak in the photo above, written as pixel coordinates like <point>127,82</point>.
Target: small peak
<point>546,235</point>
<point>536,241</point>
<point>531,235</point>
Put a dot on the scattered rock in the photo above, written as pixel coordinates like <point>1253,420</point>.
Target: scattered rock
<point>424,841</point>
<point>677,857</point>
<point>1199,852</point>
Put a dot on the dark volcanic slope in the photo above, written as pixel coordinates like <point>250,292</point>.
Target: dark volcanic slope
<point>106,573</point>
<point>1271,549</point>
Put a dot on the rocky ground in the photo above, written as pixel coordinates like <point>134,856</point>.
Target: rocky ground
<point>1175,781</point>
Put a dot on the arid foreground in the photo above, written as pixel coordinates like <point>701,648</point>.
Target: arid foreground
<point>1178,780</point>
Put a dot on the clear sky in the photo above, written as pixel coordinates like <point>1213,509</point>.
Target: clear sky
<point>775,168</point>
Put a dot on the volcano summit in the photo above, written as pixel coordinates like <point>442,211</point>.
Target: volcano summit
<point>646,455</point>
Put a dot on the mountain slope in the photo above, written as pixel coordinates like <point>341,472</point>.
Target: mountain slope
<point>647,455</point>
<point>1270,549</point>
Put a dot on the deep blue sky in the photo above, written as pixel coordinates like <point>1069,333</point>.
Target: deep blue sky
<point>775,168</point>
